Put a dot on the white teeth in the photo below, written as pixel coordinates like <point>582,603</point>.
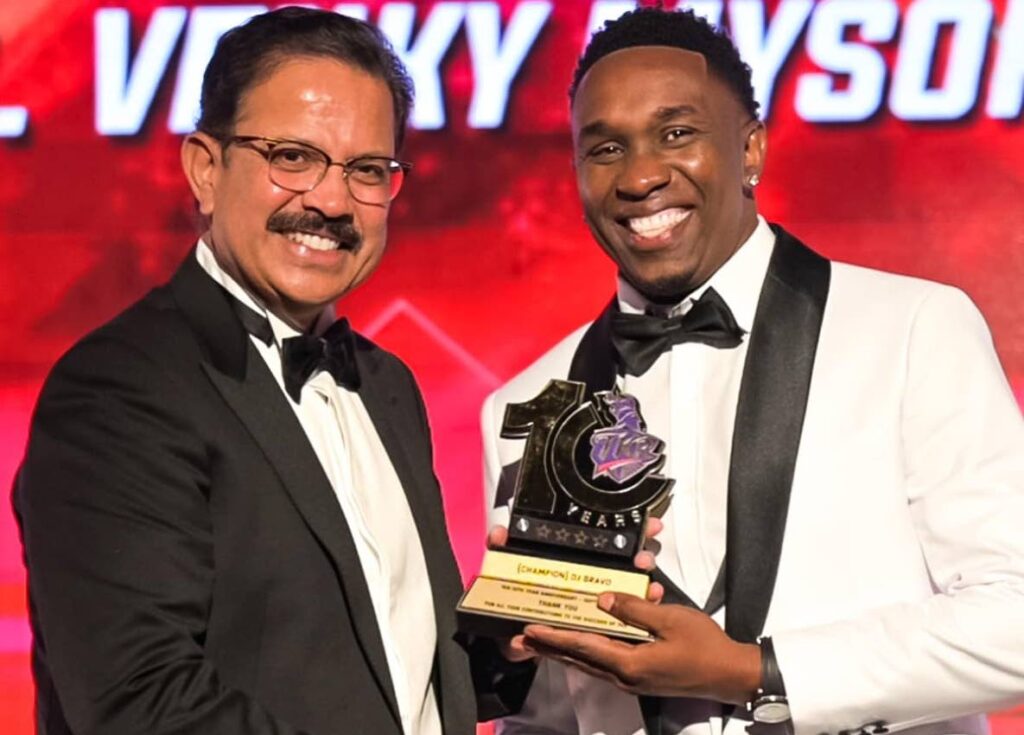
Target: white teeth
<point>312,241</point>
<point>658,224</point>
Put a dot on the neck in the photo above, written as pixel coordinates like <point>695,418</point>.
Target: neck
<point>670,292</point>
<point>300,317</point>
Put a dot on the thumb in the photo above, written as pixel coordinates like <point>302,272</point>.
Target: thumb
<point>635,611</point>
<point>497,537</point>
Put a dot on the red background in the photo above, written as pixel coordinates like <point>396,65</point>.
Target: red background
<point>489,262</point>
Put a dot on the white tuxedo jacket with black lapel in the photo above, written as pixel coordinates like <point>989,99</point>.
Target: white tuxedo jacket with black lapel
<point>876,498</point>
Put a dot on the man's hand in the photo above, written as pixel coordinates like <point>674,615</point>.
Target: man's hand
<point>497,537</point>
<point>690,655</point>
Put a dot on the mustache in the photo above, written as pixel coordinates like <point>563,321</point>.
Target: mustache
<point>342,229</point>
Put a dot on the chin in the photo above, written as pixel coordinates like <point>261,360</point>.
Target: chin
<point>664,288</point>
<point>316,301</point>
<point>311,287</point>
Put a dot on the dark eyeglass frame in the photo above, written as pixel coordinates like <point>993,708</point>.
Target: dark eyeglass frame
<point>397,169</point>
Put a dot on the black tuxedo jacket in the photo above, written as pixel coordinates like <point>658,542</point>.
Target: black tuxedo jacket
<point>190,570</point>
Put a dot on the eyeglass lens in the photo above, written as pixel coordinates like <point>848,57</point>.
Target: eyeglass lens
<point>370,180</point>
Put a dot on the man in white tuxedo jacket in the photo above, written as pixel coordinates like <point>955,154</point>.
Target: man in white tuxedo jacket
<point>844,549</point>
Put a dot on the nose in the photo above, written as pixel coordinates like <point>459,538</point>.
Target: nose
<point>331,197</point>
<point>642,174</point>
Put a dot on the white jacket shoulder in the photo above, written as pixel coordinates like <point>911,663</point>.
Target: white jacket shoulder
<point>553,364</point>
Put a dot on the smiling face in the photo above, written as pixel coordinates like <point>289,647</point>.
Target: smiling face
<point>663,151</point>
<point>297,252</point>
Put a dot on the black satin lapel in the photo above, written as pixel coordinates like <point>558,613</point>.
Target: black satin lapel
<point>399,435</point>
<point>390,413</point>
<point>769,419</point>
<point>261,405</point>
<point>594,362</point>
<point>673,594</point>
<point>650,712</point>
<point>207,307</point>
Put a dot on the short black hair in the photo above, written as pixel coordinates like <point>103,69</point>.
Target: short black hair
<point>650,26</point>
<point>246,55</point>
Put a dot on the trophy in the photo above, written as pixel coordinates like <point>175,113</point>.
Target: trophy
<point>586,484</point>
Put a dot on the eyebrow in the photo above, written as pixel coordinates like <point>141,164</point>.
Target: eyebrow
<point>314,146</point>
<point>301,141</point>
<point>598,127</point>
<point>662,114</point>
<point>667,113</point>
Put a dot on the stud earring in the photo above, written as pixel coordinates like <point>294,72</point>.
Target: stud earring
<point>754,180</point>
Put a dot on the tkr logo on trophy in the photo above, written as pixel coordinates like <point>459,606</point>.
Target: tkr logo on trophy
<point>586,463</point>
<point>624,450</point>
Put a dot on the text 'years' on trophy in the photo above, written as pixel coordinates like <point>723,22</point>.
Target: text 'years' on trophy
<point>587,481</point>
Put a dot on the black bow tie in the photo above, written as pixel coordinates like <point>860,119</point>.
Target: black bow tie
<point>302,356</point>
<point>640,339</point>
<point>333,352</point>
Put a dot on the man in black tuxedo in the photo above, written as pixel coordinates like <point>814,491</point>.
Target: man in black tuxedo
<point>229,514</point>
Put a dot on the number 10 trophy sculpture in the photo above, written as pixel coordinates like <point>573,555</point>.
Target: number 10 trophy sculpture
<point>586,484</point>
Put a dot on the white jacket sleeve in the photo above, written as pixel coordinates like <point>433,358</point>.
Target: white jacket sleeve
<point>548,709</point>
<point>962,649</point>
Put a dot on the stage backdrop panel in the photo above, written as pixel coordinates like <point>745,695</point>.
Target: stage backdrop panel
<point>895,141</point>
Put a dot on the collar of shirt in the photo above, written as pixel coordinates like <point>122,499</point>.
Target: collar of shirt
<point>281,329</point>
<point>738,280</point>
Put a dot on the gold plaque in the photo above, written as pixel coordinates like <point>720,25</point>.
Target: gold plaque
<point>520,589</point>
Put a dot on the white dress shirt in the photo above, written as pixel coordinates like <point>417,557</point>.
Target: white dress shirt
<point>702,385</point>
<point>376,510</point>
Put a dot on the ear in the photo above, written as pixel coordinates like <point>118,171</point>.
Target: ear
<point>202,160</point>
<point>755,146</point>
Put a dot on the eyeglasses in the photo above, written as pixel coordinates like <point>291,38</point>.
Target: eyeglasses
<point>300,168</point>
